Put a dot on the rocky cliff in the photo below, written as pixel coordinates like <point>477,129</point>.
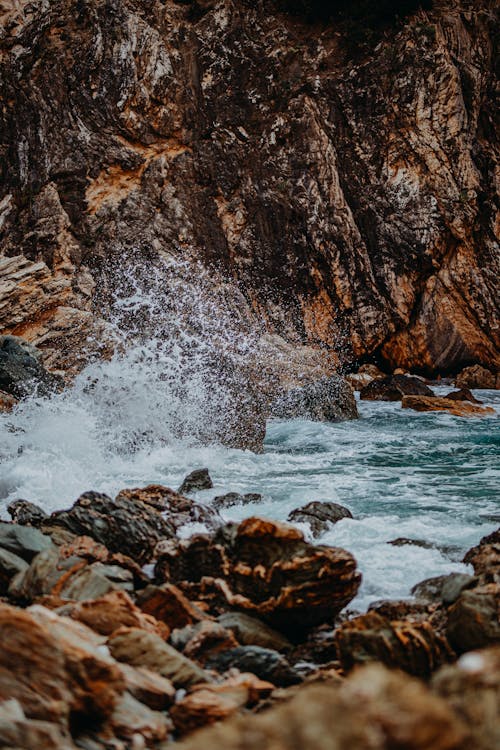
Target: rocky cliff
<point>344,180</point>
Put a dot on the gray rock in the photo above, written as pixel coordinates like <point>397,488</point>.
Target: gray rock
<point>21,372</point>
<point>199,479</point>
<point>444,588</point>
<point>319,515</point>
<point>24,541</point>
<point>263,662</point>
<point>10,566</point>
<point>393,388</point>
<point>325,400</point>
<point>249,631</point>
<point>230,499</point>
<point>26,514</point>
<point>473,620</point>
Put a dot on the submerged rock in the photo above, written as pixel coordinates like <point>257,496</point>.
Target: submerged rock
<point>393,388</point>
<point>199,479</point>
<point>230,499</point>
<point>464,394</point>
<point>265,568</point>
<point>326,400</point>
<point>435,403</point>
<point>319,515</point>
<point>476,377</point>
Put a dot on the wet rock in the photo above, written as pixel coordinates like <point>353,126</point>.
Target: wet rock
<point>400,609</point>
<point>413,646</point>
<point>168,604</point>
<point>445,588</point>
<point>132,719</point>
<point>326,400</point>
<point>23,541</point>
<point>7,402</point>
<point>203,641</point>
<point>357,381</point>
<point>176,509</point>
<point>266,569</point>
<point>266,663</point>
<point>21,733</point>
<point>69,673</point>
<point>249,631</point>
<point>148,687</point>
<point>26,513</point>
<point>142,649</point>
<point>21,372</point>
<point>435,403</point>
<point>319,515</point>
<point>485,557</point>
<point>393,388</point>
<point>472,688</point>
<point>476,377</point>
<point>474,618</point>
<point>373,709</point>
<point>464,394</point>
<point>10,566</point>
<point>122,525</point>
<point>402,541</point>
<point>372,370</point>
<point>199,479</point>
<point>230,499</point>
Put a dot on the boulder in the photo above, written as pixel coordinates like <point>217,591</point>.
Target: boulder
<point>10,566</point>
<point>435,403</point>
<point>125,524</point>
<point>7,402</point>
<point>132,719</point>
<point>21,372</point>
<point>445,589</point>
<point>199,479</point>
<point>474,618</point>
<point>476,376</point>
<point>23,541</point>
<point>26,514</point>
<point>411,645</point>
<point>319,515</point>
<point>357,380</point>
<point>463,394</point>
<point>249,631</point>
<point>266,569</point>
<point>148,687</point>
<point>266,663</point>
<point>203,641</point>
<point>21,733</point>
<point>168,604</point>
<point>176,509</point>
<point>372,370</point>
<point>230,499</point>
<point>393,388</point>
<point>485,558</point>
<point>325,400</point>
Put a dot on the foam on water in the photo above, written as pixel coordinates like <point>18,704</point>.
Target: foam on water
<point>134,420</point>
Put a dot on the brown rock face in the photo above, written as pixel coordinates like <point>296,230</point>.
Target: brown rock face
<point>349,190</point>
<point>265,568</point>
<point>457,408</point>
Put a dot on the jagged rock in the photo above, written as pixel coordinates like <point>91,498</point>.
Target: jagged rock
<point>203,641</point>
<point>326,400</point>
<point>357,381</point>
<point>266,663</point>
<point>199,479</point>
<point>400,609</point>
<point>472,688</point>
<point>319,515</point>
<point>265,568</point>
<point>476,377</point>
<point>21,733</point>
<point>142,649</point>
<point>131,719</point>
<point>21,372</point>
<point>168,604</point>
<point>434,403</point>
<point>7,402</point>
<point>373,709</point>
<point>372,370</point>
<point>26,514</point>
<point>68,671</point>
<point>474,618</point>
<point>412,646</point>
<point>464,394</point>
<point>176,509</point>
<point>23,541</point>
<point>393,388</point>
<point>485,557</point>
<point>230,499</point>
<point>445,589</point>
<point>252,632</point>
<point>122,525</point>
<point>148,687</point>
<point>10,566</point>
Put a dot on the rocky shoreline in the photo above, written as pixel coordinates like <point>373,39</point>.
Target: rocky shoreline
<point>116,633</point>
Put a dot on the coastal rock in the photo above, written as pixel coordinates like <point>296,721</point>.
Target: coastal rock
<point>21,372</point>
<point>23,541</point>
<point>168,604</point>
<point>326,400</point>
<point>476,377</point>
<point>249,631</point>
<point>372,370</point>
<point>393,388</point>
<point>132,719</point>
<point>230,499</point>
<point>485,558</point>
<point>464,394</point>
<point>266,569</point>
<point>10,566</point>
<point>413,646</point>
<point>7,402</point>
<point>357,381</point>
<point>120,524</point>
<point>148,687</point>
<point>457,408</point>
<point>21,733</point>
<point>26,514</point>
<point>319,515</point>
<point>474,618</point>
<point>266,663</point>
<point>199,479</point>
<point>445,589</point>
<point>203,641</point>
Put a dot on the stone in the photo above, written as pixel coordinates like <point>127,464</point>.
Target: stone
<point>143,649</point>
<point>7,402</point>
<point>266,569</point>
<point>411,645</point>
<point>25,513</point>
<point>21,372</point>
<point>131,719</point>
<point>265,663</point>
<point>457,408</point>
<point>249,631</point>
<point>176,509</point>
<point>199,479</point>
<point>372,370</point>
<point>230,499</point>
<point>485,558</point>
<point>445,588</point>
<point>357,381</point>
<point>123,524</point>
<point>23,541</point>
<point>400,609</point>
<point>204,641</point>
<point>168,604</point>
<point>326,400</point>
<point>21,733</point>
<point>10,566</point>
<point>476,376</point>
<point>319,515</point>
<point>68,671</point>
<point>148,687</point>
<point>474,618</point>
<point>393,388</point>
<point>463,394</point>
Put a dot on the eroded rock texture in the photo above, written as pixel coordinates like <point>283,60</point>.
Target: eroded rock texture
<point>349,188</point>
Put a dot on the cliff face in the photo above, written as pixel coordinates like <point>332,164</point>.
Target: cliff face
<point>350,191</point>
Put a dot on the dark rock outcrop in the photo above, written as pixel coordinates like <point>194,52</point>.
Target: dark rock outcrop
<point>21,372</point>
<point>457,408</point>
<point>393,388</point>
<point>26,513</point>
<point>464,394</point>
<point>326,400</point>
<point>319,515</point>
<point>266,663</point>
<point>199,479</point>
<point>476,377</point>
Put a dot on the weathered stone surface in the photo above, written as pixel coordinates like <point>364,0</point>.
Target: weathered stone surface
<point>22,541</point>
<point>199,479</point>
<point>457,408</point>
<point>485,557</point>
<point>204,641</point>
<point>319,515</point>
<point>168,604</point>
<point>26,513</point>
<point>265,568</point>
<point>446,588</point>
<point>374,709</point>
<point>476,377</point>
<point>148,687</point>
<point>249,631</point>
<point>393,388</point>
<point>16,731</point>
<point>474,618</point>
<point>230,499</point>
<point>120,524</point>
<point>7,402</point>
<point>10,565</point>
<point>132,719</point>
<point>412,646</point>
<point>266,663</point>
<point>326,400</point>
<point>143,649</point>
<point>463,394</point>
<point>68,671</point>
<point>21,372</point>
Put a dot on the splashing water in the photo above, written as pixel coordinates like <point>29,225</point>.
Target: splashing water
<point>155,411</point>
